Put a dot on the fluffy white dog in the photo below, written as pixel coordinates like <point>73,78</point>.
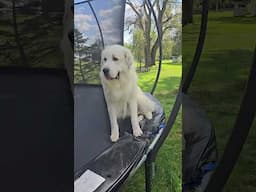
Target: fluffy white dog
<point>122,94</point>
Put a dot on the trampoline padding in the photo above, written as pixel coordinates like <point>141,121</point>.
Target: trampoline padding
<point>200,144</point>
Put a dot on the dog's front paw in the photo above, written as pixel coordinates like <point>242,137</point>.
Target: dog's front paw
<point>114,137</point>
<point>137,132</point>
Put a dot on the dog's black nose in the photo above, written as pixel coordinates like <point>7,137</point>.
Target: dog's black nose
<point>105,71</point>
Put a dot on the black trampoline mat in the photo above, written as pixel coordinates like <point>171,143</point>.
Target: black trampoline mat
<point>93,147</point>
<point>92,127</point>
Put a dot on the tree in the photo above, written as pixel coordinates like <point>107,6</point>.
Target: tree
<point>29,38</point>
<point>87,58</point>
<point>23,56</point>
<point>176,50</point>
<point>167,46</point>
<point>138,45</point>
<point>187,12</point>
<point>164,19</point>
<point>143,22</point>
<point>79,49</point>
<point>177,36</point>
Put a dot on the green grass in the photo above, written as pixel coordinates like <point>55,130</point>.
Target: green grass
<point>220,81</point>
<point>168,162</point>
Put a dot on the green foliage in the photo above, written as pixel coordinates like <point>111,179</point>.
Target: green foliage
<point>87,59</point>
<point>167,46</point>
<point>36,42</point>
<point>138,45</point>
<point>145,37</point>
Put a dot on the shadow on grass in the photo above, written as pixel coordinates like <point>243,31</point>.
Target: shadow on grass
<point>235,20</point>
<point>219,85</point>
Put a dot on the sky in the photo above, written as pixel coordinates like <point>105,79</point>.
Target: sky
<point>109,14</point>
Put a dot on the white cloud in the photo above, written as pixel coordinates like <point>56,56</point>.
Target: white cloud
<point>83,22</point>
<point>107,25</point>
<point>105,12</point>
<point>110,23</point>
<point>109,12</point>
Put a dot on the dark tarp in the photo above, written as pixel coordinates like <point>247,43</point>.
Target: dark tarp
<point>36,139</point>
<point>199,154</point>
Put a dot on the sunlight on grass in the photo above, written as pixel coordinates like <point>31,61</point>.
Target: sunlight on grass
<point>168,162</point>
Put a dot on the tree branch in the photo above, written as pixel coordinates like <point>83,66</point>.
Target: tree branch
<point>167,19</point>
<point>166,28</point>
<point>128,2</point>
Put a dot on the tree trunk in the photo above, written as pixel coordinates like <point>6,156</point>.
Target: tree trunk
<point>153,53</point>
<point>187,12</point>
<point>140,64</point>
<point>80,64</point>
<point>154,49</point>
<point>144,23</point>
<point>23,57</point>
<point>159,39</point>
<point>81,70</point>
<point>147,55</point>
<point>147,52</point>
<point>217,5</point>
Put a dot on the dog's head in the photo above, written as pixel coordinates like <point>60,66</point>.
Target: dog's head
<point>115,61</point>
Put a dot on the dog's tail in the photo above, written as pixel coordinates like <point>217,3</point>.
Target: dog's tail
<point>145,105</point>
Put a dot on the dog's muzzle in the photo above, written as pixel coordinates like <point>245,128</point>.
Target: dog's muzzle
<point>107,75</point>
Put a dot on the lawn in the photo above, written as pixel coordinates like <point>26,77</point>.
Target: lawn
<point>220,81</point>
<point>168,162</point>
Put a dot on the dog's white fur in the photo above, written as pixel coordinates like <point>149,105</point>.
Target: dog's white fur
<point>122,94</point>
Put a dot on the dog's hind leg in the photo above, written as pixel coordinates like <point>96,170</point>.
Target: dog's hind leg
<point>134,118</point>
<point>140,118</point>
<point>148,115</point>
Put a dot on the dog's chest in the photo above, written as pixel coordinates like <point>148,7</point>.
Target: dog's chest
<point>120,99</point>
<point>122,109</point>
<point>120,96</point>
<point>120,93</point>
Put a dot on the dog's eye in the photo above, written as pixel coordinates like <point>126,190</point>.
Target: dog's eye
<point>105,59</point>
<point>115,58</point>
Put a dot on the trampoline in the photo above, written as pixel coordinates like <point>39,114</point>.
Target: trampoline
<point>93,148</point>
<point>94,152</point>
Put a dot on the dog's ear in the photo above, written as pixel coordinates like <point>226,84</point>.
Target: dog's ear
<point>128,57</point>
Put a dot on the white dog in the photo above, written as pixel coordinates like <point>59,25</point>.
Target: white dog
<point>122,94</point>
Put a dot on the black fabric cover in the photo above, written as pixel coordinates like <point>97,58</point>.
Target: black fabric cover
<point>200,144</point>
<point>36,123</point>
<point>93,148</point>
